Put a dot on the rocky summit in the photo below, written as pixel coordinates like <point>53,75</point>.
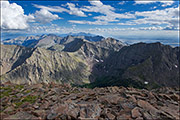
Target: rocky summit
<point>64,102</point>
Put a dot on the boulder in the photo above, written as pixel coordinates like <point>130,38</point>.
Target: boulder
<point>135,113</point>
<point>21,116</point>
<point>147,107</point>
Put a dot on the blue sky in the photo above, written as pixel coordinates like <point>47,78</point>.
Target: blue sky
<point>126,20</point>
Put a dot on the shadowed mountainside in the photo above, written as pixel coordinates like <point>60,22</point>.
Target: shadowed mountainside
<point>154,63</point>
<point>78,61</point>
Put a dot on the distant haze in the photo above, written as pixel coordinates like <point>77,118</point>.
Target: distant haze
<point>170,38</point>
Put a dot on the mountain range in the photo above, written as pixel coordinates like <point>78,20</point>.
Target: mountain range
<point>91,60</point>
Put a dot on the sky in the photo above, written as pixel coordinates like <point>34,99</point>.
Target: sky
<point>129,21</point>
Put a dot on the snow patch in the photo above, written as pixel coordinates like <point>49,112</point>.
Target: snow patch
<point>146,82</point>
<point>101,61</point>
<point>96,60</point>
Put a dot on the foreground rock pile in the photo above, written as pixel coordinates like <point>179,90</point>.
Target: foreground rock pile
<point>52,101</point>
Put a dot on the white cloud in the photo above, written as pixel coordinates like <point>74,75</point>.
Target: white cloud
<point>57,9</point>
<point>98,7</point>
<point>167,3</point>
<point>44,16</point>
<point>151,28</point>
<point>55,29</point>
<point>171,28</point>
<point>121,3</point>
<point>108,14</point>
<point>98,22</point>
<point>164,3</point>
<point>13,17</point>
<point>169,16</point>
<point>143,2</point>
<point>73,10</point>
<point>126,23</point>
<point>153,7</point>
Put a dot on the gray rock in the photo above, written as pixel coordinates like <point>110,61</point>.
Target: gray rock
<point>20,116</point>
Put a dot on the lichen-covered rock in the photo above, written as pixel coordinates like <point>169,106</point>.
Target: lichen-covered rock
<point>21,115</point>
<point>57,101</point>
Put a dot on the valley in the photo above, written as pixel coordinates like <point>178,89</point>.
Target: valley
<point>92,61</point>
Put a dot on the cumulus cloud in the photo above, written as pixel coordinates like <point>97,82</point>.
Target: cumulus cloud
<point>44,16</point>
<point>168,16</point>
<point>108,14</point>
<point>13,17</point>
<point>151,28</point>
<point>73,10</point>
<point>99,7</point>
<point>144,2</point>
<point>164,3</point>
<point>57,9</point>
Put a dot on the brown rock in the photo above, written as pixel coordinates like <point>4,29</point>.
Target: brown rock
<point>150,95</point>
<point>3,115</point>
<point>36,106</point>
<point>40,113</point>
<point>148,107</point>
<point>140,97</point>
<point>4,100</point>
<point>21,116</point>
<point>114,89</point>
<point>54,98</point>
<point>61,108</point>
<point>36,86</point>
<point>147,116</point>
<point>123,117</point>
<point>166,116</point>
<point>9,109</point>
<point>25,105</point>
<point>73,113</point>
<point>164,96</point>
<point>51,116</point>
<point>45,105</point>
<point>8,83</point>
<point>94,110</point>
<point>175,97</point>
<point>139,118</point>
<point>111,116</point>
<point>135,92</point>
<point>132,98</point>
<point>72,109</point>
<point>111,99</point>
<point>80,95</point>
<point>128,105</point>
<point>135,113</point>
<point>172,110</point>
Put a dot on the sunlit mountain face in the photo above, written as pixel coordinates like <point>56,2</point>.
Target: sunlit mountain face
<point>128,21</point>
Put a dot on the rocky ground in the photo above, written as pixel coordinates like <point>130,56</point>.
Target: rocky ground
<point>52,101</point>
